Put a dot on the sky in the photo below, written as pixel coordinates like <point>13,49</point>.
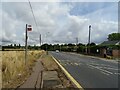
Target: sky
<point>57,22</point>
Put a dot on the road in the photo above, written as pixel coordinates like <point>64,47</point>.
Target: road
<point>89,72</point>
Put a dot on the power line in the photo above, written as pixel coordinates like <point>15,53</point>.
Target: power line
<point>33,13</point>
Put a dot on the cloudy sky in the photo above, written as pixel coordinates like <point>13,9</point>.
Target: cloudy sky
<point>58,22</point>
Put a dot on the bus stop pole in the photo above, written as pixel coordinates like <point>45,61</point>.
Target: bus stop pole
<point>26,37</point>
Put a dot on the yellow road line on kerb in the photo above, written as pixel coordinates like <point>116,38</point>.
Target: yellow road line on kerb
<point>68,75</point>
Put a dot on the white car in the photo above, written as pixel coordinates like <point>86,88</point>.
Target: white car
<point>57,51</point>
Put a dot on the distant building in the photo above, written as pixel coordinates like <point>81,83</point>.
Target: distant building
<point>111,43</point>
<point>110,50</point>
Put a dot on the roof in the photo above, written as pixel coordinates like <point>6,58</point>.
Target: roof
<point>110,42</point>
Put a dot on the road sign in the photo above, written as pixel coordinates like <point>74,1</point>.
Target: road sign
<point>29,28</point>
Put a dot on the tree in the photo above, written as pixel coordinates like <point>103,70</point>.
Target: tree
<point>44,46</point>
<point>114,36</point>
<point>15,45</point>
<point>92,44</point>
<point>19,45</point>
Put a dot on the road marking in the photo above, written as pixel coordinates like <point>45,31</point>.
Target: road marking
<point>71,63</point>
<point>109,68</point>
<point>117,73</point>
<point>101,69</point>
<point>94,64</point>
<point>112,69</point>
<point>90,67</point>
<point>104,66</point>
<point>76,64</point>
<point>68,75</point>
<point>105,73</point>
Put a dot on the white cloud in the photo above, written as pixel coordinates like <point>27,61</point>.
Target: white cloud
<point>60,0</point>
<point>54,18</point>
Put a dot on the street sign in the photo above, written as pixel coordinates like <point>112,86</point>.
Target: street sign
<point>29,28</point>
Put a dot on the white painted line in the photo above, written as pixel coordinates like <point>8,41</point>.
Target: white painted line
<point>76,64</point>
<point>105,73</point>
<point>105,67</point>
<point>117,73</point>
<point>109,68</point>
<point>94,64</point>
<point>91,67</point>
<point>71,63</point>
<point>101,69</point>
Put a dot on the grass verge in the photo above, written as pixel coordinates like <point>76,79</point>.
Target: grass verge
<point>14,70</point>
<point>50,65</point>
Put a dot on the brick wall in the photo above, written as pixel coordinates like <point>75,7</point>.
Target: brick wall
<point>116,53</point>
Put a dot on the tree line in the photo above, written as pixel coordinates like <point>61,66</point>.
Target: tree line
<point>82,48</point>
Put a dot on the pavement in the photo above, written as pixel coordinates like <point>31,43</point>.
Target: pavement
<point>40,78</point>
<point>34,81</point>
<point>88,71</point>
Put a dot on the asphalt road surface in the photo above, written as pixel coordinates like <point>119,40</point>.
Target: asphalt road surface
<point>89,72</point>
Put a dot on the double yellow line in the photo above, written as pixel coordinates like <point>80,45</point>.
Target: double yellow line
<point>68,75</point>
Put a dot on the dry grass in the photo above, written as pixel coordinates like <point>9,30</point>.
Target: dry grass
<point>50,65</point>
<point>14,68</point>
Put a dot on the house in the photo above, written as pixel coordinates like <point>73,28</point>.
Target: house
<point>117,42</point>
<point>115,52</point>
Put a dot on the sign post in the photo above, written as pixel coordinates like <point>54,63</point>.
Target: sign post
<point>28,28</point>
<point>26,44</point>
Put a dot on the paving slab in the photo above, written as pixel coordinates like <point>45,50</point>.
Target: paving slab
<point>50,79</point>
<point>35,78</point>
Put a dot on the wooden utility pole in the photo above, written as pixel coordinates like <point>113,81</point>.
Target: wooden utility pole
<point>76,44</point>
<point>28,28</point>
<point>76,40</point>
<point>26,37</point>
<point>40,40</point>
<point>89,40</point>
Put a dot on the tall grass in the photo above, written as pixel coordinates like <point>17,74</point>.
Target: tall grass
<point>14,68</point>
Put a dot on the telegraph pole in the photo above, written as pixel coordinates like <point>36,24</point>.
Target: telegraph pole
<point>76,44</point>
<point>60,46</point>
<point>26,37</point>
<point>40,40</point>
<point>46,43</point>
<point>76,40</point>
<point>89,40</point>
<point>28,28</point>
